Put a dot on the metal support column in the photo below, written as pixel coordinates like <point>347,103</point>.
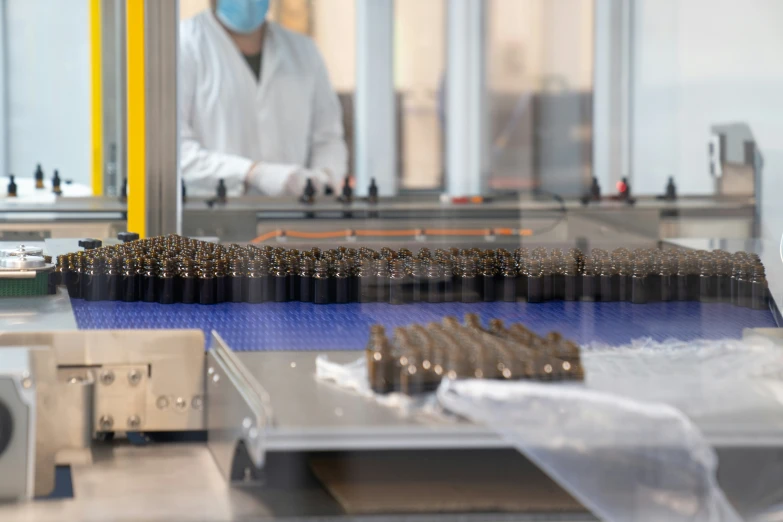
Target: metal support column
<point>113,64</point>
<point>161,29</point>
<point>374,116</point>
<point>612,92</point>
<point>4,139</point>
<point>467,160</point>
<point>153,168</point>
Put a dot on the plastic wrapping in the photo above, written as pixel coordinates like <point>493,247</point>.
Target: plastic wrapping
<point>625,443</point>
<point>623,459</point>
<point>709,381</point>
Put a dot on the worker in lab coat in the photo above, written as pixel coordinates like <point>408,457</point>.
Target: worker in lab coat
<point>257,109</point>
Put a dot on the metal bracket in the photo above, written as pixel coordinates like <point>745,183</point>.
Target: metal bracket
<point>120,398</point>
<point>237,413</point>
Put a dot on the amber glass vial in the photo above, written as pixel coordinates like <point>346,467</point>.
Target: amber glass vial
<point>382,280</point>
<point>342,291</point>
<point>149,283</point>
<point>306,272</point>
<point>321,282</point>
<point>397,281</point>
<point>113,279</point>
<point>129,280</point>
<point>94,279</point>
<point>256,278</point>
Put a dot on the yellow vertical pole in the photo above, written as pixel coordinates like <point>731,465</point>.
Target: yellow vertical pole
<point>136,116</point>
<point>96,85</point>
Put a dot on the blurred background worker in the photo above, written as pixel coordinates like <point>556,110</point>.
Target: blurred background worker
<point>257,109</point>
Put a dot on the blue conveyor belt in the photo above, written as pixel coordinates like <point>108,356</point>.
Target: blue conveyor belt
<point>305,326</point>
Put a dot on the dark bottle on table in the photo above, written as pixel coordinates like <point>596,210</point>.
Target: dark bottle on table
<point>570,280</point>
<point>256,280</point>
<point>267,283</point>
<point>354,284</point>
<point>292,267</point>
<point>379,360</point>
<point>207,288</point>
<point>94,279</point>
<point>744,292</point>
<point>221,281</point>
<point>368,291</point>
<point>78,267</point>
<point>708,282</point>
<point>608,290</point>
<point>694,279</point>
<point>342,290</point>
<point>305,279</point>
<point>639,282</point>
<point>129,280</point>
<point>382,280</point>
<point>735,277</point>
<point>434,284</point>
<point>279,278</point>
<point>666,281</point>
<point>416,280</point>
<point>625,274</point>
<point>113,279</point>
<point>654,278</point>
<point>235,280</point>
<point>558,276</point>
<point>397,281</point>
<point>535,285</point>
<point>510,279</point>
<point>149,283</point>
<point>723,273</point>
<point>681,280</point>
<point>520,264</point>
<point>759,288</point>
<point>487,279</point>
<point>447,265</point>
<point>456,280</point>
<point>589,281</point>
<point>166,281</point>
<point>468,280</point>
<point>321,294</point>
<point>412,375</point>
<point>61,270</point>
<point>547,279</point>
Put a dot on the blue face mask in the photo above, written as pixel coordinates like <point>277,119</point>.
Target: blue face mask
<point>242,16</point>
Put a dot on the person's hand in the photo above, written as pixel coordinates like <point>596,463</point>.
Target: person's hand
<point>276,179</point>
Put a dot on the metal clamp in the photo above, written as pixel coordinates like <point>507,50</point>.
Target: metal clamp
<point>237,413</point>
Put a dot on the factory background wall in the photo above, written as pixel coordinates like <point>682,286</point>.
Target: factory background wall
<point>48,87</point>
<point>698,63</point>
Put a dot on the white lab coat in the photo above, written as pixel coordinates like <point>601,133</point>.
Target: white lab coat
<point>289,120</point>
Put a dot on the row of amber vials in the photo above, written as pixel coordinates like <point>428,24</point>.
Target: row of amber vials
<point>175,269</point>
<point>418,357</point>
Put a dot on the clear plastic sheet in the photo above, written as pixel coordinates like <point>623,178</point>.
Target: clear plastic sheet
<point>623,459</point>
<point>626,442</point>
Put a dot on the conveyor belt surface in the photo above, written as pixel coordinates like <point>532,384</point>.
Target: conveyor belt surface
<point>309,327</point>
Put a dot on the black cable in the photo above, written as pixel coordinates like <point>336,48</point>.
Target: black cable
<point>563,211</point>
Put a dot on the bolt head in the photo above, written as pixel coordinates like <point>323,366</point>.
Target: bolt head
<point>106,422</point>
<point>162,403</point>
<point>134,377</point>
<point>107,377</point>
<point>134,422</point>
<point>27,383</point>
<point>197,403</point>
<point>181,403</point>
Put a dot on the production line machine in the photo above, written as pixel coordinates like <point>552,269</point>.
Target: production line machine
<point>76,372</point>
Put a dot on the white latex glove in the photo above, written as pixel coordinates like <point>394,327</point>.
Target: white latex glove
<point>277,180</point>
